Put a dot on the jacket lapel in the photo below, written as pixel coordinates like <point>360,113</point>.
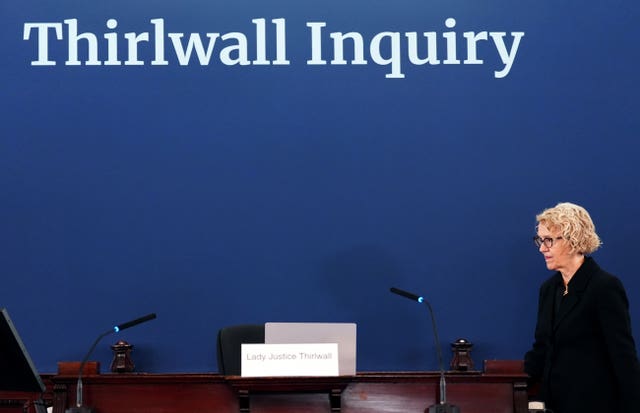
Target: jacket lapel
<point>577,285</point>
<point>568,303</point>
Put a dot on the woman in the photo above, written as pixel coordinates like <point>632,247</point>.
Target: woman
<point>584,356</point>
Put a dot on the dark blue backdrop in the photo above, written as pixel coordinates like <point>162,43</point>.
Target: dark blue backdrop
<point>216,195</point>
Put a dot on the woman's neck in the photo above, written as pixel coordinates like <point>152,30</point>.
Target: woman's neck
<point>569,272</point>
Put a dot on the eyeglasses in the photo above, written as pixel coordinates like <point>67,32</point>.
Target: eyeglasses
<point>547,241</point>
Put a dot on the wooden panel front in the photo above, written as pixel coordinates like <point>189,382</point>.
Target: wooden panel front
<point>402,392</point>
<point>149,393</point>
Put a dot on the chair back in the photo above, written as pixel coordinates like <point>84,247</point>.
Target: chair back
<point>229,350</point>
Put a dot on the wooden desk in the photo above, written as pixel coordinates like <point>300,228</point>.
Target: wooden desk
<point>501,388</point>
<point>23,402</point>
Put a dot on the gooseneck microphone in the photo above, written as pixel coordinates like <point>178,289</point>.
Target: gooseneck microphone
<point>79,407</point>
<point>408,295</point>
<point>133,323</point>
<point>443,406</point>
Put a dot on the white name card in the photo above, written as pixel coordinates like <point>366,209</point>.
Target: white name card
<point>269,360</point>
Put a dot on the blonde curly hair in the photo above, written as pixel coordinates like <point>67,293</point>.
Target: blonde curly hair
<point>574,223</point>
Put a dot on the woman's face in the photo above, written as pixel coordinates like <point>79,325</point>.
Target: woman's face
<point>558,257</point>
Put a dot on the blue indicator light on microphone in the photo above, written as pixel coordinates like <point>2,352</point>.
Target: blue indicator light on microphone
<point>420,299</point>
<point>116,329</point>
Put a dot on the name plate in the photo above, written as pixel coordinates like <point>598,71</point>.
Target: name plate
<point>269,360</point>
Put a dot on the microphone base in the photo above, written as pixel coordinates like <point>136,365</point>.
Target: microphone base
<point>442,408</point>
<point>82,409</point>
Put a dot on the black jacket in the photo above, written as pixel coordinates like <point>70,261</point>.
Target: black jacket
<point>584,354</point>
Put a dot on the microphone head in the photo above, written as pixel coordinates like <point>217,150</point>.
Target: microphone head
<point>407,294</point>
<point>135,322</point>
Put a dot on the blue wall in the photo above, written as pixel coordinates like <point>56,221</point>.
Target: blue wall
<point>221,194</point>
